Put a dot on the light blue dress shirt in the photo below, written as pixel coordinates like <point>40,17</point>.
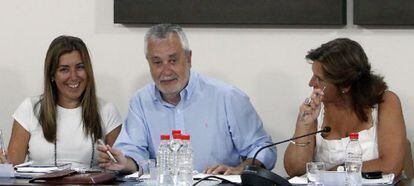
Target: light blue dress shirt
<point>222,123</point>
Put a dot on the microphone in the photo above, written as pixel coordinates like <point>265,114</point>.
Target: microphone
<point>254,175</point>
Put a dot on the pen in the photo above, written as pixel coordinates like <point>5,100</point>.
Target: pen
<point>107,152</point>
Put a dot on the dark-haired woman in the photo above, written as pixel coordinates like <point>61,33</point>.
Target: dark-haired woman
<point>348,97</point>
<point>63,124</point>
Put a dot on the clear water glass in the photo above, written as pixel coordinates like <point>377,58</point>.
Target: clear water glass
<point>313,172</point>
<point>149,168</point>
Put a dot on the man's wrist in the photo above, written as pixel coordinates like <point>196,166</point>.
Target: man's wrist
<point>131,166</point>
<point>249,161</point>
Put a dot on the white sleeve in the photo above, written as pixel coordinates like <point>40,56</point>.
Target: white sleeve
<point>24,115</point>
<point>110,118</point>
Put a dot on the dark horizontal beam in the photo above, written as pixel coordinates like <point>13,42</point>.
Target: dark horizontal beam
<point>384,12</point>
<point>239,12</point>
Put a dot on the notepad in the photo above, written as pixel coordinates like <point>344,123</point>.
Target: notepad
<point>31,167</point>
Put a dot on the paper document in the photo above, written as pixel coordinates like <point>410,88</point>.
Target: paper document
<point>30,167</point>
<point>298,180</point>
<point>386,179</point>
<point>232,178</point>
<point>27,175</point>
<point>137,175</point>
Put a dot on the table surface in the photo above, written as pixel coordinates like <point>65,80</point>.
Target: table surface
<point>16,181</point>
<point>134,182</point>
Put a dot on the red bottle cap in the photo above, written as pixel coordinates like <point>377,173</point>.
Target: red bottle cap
<point>176,132</point>
<point>185,137</point>
<point>176,136</point>
<point>165,137</point>
<point>353,136</point>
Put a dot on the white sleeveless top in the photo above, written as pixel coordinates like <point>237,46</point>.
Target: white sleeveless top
<point>72,145</point>
<point>332,152</point>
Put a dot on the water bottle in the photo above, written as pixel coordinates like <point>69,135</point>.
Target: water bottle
<point>175,146</point>
<point>185,171</point>
<point>175,143</point>
<point>353,161</point>
<point>163,160</point>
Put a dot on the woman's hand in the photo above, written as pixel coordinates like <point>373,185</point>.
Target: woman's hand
<point>310,109</point>
<point>3,158</point>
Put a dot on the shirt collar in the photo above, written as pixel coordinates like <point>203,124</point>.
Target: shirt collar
<point>185,94</point>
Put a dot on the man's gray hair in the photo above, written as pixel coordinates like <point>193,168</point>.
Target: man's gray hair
<point>161,31</point>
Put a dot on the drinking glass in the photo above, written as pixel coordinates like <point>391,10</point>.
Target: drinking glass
<point>313,170</point>
<point>149,168</point>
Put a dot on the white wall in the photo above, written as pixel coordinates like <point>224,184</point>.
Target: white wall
<point>267,63</point>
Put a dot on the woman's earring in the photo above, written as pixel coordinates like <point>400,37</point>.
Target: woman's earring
<point>52,79</point>
<point>343,91</point>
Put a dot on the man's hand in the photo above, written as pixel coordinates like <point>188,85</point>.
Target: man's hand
<point>227,170</point>
<point>224,169</point>
<point>123,163</point>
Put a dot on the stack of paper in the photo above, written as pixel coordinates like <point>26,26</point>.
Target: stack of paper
<point>30,169</point>
<point>231,178</point>
<point>386,179</point>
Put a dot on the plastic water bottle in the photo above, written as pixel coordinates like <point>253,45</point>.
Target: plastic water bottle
<point>175,146</point>
<point>353,161</point>
<point>175,143</point>
<point>185,172</point>
<point>163,157</point>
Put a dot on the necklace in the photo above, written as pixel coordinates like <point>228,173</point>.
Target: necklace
<point>92,156</point>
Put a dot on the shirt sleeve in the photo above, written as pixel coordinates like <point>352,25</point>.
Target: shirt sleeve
<point>247,130</point>
<point>110,117</point>
<point>132,140</point>
<point>24,115</point>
